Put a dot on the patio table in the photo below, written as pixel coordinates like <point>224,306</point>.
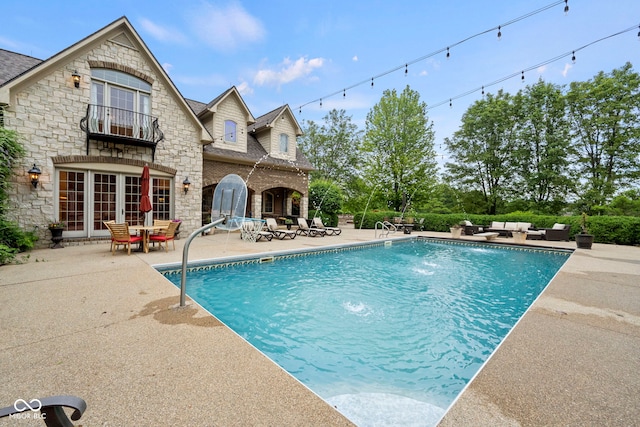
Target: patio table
<point>145,231</point>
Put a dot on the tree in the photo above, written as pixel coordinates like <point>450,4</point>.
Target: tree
<point>544,141</point>
<point>605,122</point>
<point>484,149</point>
<point>398,149</point>
<point>332,147</point>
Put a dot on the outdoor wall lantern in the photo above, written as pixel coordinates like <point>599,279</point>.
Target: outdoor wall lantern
<point>34,174</point>
<point>76,78</point>
<point>185,185</point>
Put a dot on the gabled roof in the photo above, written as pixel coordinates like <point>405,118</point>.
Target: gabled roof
<point>13,64</point>
<point>117,29</point>
<point>201,109</point>
<point>256,152</point>
<point>268,119</point>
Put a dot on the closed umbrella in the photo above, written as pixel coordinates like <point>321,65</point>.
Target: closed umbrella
<point>145,202</point>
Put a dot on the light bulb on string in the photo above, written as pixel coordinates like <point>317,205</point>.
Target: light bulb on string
<point>499,32</point>
<point>320,102</point>
<point>522,78</point>
<point>448,54</point>
<point>566,7</point>
<point>406,69</point>
<point>482,91</point>
<point>638,32</point>
<point>573,56</point>
<point>450,103</point>
<point>300,110</point>
<point>344,93</point>
<point>371,82</point>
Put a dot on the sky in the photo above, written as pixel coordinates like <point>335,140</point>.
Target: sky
<point>297,52</point>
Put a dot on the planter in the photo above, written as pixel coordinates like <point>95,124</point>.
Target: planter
<point>584,241</point>
<point>519,237</point>
<point>456,232</point>
<point>56,237</point>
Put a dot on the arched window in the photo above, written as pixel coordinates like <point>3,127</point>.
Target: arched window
<point>284,143</point>
<point>230,131</point>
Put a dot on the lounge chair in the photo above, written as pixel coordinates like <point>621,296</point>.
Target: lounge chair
<point>303,228</point>
<point>166,236</point>
<point>51,409</point>
<point>331,231</point>
<point>280,233</point>
<point>120,236</point>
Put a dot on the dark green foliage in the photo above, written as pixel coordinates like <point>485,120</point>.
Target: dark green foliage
<point>325,196</point>
<point>12,238</point>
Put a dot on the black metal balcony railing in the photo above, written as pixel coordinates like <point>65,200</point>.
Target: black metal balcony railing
<point>121,127</point>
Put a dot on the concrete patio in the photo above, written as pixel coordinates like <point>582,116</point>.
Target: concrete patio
<point>83,322</point>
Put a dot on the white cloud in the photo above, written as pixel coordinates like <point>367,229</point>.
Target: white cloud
<point>424,73</point>
<point>225,28</point>
<point>542,69</point>
<point>355,58</point>
<point>287,71</point>
<point>245,89</point>
<point>167,67</point>
<point>567,67</point>
<point>161,33</point>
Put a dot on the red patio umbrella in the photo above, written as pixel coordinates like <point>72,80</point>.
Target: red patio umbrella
<point>145,202</point>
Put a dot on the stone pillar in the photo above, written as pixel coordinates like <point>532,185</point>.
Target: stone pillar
<point>256,205</point>
<point>304,206</point>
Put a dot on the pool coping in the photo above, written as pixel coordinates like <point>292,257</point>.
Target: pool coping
<point>100,327</point>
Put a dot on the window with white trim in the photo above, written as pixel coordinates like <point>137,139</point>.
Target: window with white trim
<point>284,143</point>
<point>230,130</point>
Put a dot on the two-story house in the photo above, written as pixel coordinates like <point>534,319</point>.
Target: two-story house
<point>90,118</point>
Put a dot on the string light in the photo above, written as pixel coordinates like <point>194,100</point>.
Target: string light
<point>534,67</point>
<point>320,102</point>
<point>573,56</point>
<point>483,91</point>
<point>406,70</point>
<point>499,33</point>
<point>448,54</point>
<point>638,32</point>
<point>522,78</point>
<point>566,7</point>
<point>450,103</point>
<point>344,93</point>
<point>429,55</point>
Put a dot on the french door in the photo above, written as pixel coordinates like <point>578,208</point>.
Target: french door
<point>86,199</point>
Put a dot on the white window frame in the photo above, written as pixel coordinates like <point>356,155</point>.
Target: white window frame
<point>284,143</point>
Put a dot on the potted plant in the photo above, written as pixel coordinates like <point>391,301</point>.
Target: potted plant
<point>56,227</point>
<point>456,231</point>
<point>288,222</point>
<point>584,240</point>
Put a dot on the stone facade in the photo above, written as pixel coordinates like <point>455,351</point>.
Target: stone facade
<point>46,110</point>
<point>43,104</point>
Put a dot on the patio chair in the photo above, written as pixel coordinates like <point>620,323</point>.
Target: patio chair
<point>51,409</point>
<point>557,233</point>
<point>470,229</point>
<point>167,236</point>
<point>120,236</point>
<point>280,233</point>
<point>303,228</point>
<point>331,231</point>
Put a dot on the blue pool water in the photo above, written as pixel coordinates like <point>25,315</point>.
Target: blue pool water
<point>390,335</point>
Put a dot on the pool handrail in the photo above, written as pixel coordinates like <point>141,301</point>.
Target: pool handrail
<point>185,257</point>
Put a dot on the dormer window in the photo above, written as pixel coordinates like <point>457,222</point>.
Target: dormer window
<point>284,143</point>
<point>230,131</point>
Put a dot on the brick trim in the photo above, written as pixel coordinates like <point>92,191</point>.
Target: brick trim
<point>111,160</point>
<point>120,67</point>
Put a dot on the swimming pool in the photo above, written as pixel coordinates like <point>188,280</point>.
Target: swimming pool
<point>386,333</point>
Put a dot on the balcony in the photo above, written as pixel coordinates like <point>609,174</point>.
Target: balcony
<point>118,126</point>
